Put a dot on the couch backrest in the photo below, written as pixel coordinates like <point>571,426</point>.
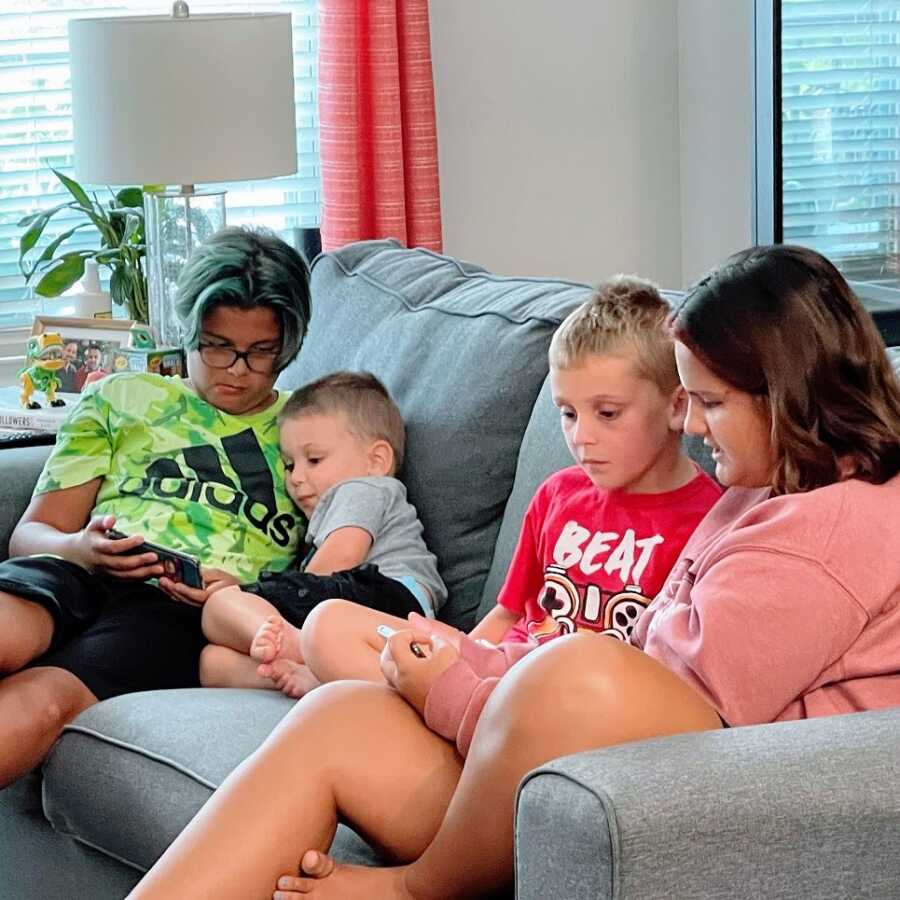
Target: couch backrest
<point>464,354</point>
<point>19,471</point>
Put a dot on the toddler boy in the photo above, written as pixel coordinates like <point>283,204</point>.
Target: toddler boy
<point>342,439</point>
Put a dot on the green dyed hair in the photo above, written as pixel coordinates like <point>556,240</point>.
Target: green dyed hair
<point>246,268</point>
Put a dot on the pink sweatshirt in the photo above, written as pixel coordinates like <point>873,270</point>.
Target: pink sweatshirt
<point>778,608</point>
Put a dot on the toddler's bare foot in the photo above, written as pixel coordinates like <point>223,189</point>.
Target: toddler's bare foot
<point>291,678</point>
<point>323,877</point>
<point>276,639</point>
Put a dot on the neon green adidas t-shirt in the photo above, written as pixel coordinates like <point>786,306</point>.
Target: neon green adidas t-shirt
<point>181,472</point>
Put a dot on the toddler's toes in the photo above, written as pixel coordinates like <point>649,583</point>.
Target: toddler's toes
<point>316,864</point>
<point>267,641</point>
<point>291,888</point>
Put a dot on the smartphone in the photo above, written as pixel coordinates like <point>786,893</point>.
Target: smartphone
<point>387,632</point>
<point>176,565</point>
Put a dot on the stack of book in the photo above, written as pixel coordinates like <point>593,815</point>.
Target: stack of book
<point>47,419</point>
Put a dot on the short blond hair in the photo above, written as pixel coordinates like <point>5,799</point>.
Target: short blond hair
<point>624,313</point>
<point>361,398</point>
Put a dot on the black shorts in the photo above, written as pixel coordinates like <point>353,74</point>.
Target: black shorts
<point>294,594</point>
<point>116,636</point>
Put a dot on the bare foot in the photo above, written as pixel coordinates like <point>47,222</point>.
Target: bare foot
<point>291,678</point>
<point>276,639</point>
<point>323,877</point>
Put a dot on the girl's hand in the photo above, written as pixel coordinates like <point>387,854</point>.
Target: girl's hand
<point>93,550</point>
<point>434,628</point>
<point>411,676</point>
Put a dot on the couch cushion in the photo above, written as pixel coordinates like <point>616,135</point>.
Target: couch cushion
<point>20,467</point>
<point>131,772</point>
<point>464,353</point>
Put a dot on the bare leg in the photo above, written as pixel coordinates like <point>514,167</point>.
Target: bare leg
<point>339,641</point>
<point>276,648</point>
<point>231,617</point>
<point>292,679</point>
<point>576,693</point>
<point>26,629</point>
<point>34,706</point>
<point>317,766</point>
<point>277,639</point>
<point>224,667</point>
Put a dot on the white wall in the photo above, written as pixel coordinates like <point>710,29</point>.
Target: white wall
<point>565,149</point>
<point>558,135</point>
<point>716,115</point>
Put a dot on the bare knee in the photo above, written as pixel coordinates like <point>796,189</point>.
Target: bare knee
<point>49,697</point>
<point>567,678</point>
<point>216,664</point>
<point>215,610</point>
<point>588,690</point>
<point>26,629</point>
<point>326,620</point>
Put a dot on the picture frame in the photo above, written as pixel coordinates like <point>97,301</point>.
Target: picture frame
<point>89,346</point>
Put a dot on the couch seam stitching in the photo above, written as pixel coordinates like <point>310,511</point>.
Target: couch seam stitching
<point>141,751</point>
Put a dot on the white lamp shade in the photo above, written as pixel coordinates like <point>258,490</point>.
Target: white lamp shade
<point>161,100</point>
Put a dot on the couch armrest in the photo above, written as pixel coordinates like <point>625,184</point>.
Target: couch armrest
<point>793,810</point>
<point>20,467</point>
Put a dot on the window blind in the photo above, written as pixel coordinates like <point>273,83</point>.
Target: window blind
<point>36,128</point>
<point>841,133</point>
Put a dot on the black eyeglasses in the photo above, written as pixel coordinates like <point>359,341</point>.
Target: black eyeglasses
<point>217,357</point>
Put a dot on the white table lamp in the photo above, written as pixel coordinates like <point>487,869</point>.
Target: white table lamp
<point>181,100</point>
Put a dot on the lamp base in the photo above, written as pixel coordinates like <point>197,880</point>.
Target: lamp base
<point>175,223</point>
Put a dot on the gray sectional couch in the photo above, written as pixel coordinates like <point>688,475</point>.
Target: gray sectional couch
<point>808,809</point>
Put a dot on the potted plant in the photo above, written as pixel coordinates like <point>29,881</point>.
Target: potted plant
<point>122,247</point>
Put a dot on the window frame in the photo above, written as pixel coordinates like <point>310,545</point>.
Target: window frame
<point>883,302</point>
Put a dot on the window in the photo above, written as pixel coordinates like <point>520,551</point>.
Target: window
<point>829,135</point>
<point>36,128</point>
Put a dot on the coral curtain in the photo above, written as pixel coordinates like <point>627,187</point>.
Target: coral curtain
<point>377,134</point>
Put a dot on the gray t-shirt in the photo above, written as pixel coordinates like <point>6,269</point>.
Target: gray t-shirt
<point>379,505</point>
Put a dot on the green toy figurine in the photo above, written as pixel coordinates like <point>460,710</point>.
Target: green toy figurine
<point>141,338</point>
<point>43,359</point>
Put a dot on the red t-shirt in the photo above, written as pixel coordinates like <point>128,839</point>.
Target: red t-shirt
<point>593,559</point>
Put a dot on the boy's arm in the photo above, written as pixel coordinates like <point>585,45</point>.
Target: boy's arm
<point>59,522</point>
<point>51,521</point>
<point>345,548</point>
<point>494,625</point>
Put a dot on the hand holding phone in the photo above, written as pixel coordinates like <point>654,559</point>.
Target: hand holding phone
<point>387,632</point>
<point>176,565</point>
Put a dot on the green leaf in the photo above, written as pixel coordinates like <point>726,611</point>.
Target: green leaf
<point>53,246</point>
<point>49,213</point>
<point>153,188</point>
<point>117,286</point>
<point>33,235</point>
<point>107,257</point>
<point>132,197</point>
<point>25,221</point>
<point>133,224</point>
<point>75,189</point>
<point>117,221</point>
<point>62,276</point>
